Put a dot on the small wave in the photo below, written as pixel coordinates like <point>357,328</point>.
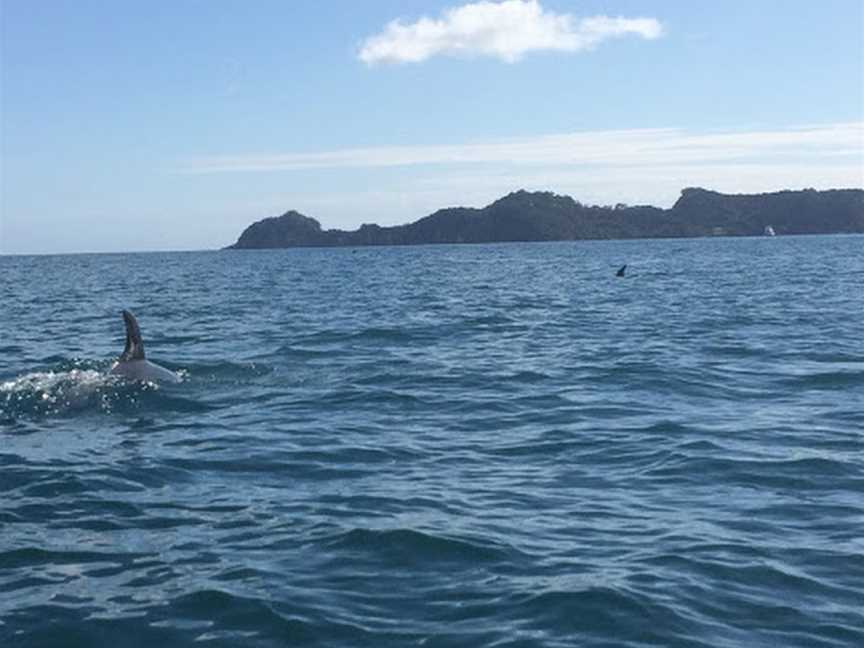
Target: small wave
<point>37,557</point>
<point>606,611</point>
<point>295,352</point>
<point>225,371</point>
<point>741,350</point>
<point>826,380</point>
<point>374,334</point>
<point>816,473</point>
<point>417,547</point>
<point>234,618</point>
<point>208,616</point>
<point>493,320</point>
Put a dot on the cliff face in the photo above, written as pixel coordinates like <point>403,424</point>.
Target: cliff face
<point>544,216</point>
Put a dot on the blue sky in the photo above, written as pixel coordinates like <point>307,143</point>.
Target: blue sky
<point>173,125</point>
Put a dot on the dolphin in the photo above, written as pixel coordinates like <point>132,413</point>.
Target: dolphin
<point>132,364</point>
<point>621,271</point>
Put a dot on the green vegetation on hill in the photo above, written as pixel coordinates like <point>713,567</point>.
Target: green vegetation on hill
<point>545,216</point>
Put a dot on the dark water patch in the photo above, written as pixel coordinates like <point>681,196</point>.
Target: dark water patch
<point>280,468</point>
<point>32,557</point>
<point>549,451</point>
<point>300,352</point>
<point>417,548</point>
<point>757,475</point>
<point>56,487</point>
<point>825,380</point>
<point>738,351</point>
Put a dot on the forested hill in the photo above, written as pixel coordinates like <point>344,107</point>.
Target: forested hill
<point>545,216</point>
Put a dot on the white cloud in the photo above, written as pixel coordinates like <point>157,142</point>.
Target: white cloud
<point>506,30</point>
<point>635,147</point>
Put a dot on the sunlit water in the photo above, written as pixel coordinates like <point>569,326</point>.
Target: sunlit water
<point>498,445</point>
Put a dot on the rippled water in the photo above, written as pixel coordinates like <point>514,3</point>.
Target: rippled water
<point>498,445</point>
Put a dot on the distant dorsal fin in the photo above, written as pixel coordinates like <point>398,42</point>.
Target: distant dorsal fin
<point>621,271</point>
<point>134,344</point>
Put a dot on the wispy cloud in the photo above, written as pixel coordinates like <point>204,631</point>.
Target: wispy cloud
<point>506,30</point>
<point>635,147</point>
<point>390,185</point>
<point>402,195</point>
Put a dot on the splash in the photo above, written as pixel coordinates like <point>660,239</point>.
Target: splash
<point>45,393</point>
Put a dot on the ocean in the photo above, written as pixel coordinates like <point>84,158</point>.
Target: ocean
<point>481,445</point>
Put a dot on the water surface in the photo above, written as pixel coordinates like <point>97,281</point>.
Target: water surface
<point>499,445</point>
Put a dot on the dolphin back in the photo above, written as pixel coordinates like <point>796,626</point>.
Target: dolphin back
<point>134,344</point>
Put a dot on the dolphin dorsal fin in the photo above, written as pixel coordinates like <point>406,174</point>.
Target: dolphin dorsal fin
<point>134,344</point>
<point>621,271</point>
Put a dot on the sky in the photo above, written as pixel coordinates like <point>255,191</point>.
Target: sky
<point>173,125</point>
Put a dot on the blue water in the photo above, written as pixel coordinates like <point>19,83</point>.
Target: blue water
<point>499,445</point>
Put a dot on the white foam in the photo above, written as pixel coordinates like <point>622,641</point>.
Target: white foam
<point>55,390</point>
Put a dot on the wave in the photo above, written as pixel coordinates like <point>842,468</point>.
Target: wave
<point>57,392</point>
<point>211,616</point>
<point>225,371</point>
<point>76,387</point>
<point>605,611</point>
<point>798,474</point>
<point>418,547</point>
<point>825,380</point>
<point>373,334</point>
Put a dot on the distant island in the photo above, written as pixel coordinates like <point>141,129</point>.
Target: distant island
<point>545,216</point>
